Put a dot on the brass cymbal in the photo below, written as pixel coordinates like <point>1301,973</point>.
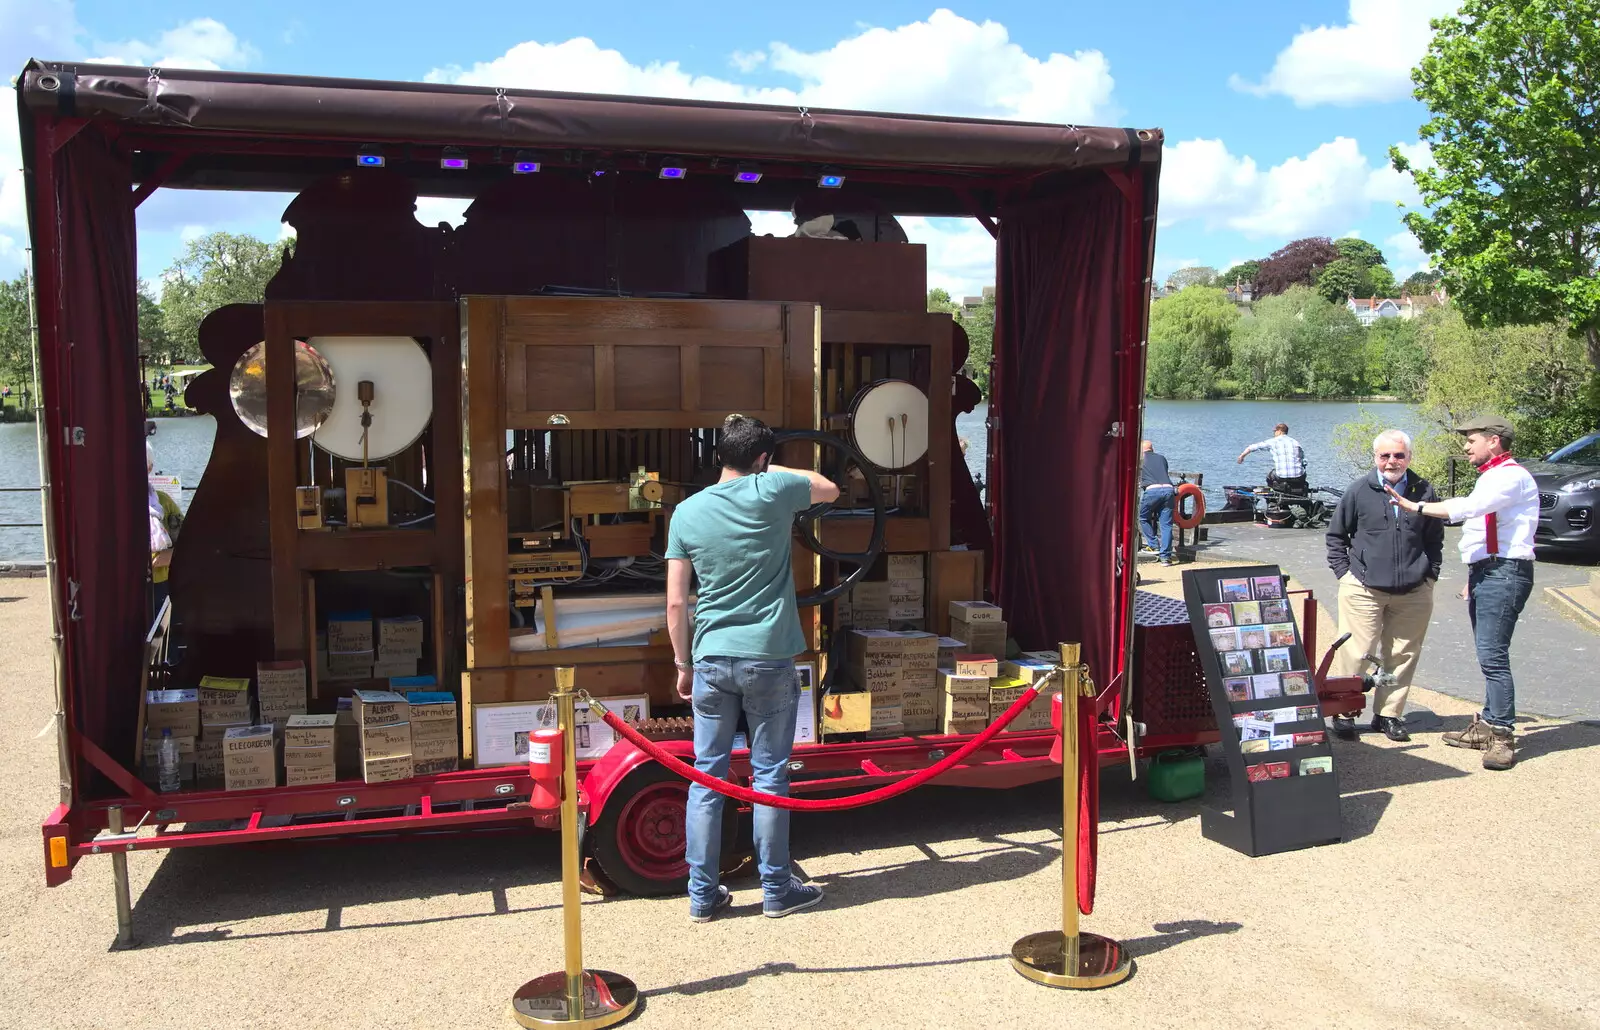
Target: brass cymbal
<point>314,389</point>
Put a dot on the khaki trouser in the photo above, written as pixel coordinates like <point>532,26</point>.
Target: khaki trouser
<point>1390,626</point>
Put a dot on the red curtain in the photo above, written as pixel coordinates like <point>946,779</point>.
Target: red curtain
<point>91,371</point>
<point>1057,386</point>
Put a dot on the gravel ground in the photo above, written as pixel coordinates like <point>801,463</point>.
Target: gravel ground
<point>1459,898</point>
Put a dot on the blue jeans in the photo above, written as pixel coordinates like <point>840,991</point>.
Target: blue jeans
<point>1153,505</point>
<point>1499,587</point>
<point>767,690</point>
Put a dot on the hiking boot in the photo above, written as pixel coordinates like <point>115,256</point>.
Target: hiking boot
<point>1476,736</point>
<point>1502,750</point>
<point>799,896</point>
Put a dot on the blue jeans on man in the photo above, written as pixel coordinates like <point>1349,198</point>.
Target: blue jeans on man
<point>1155,505</point>
<point>767,691</point>
<point>1498,588</point>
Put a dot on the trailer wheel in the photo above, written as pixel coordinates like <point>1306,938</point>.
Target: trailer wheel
<point>638,840</point>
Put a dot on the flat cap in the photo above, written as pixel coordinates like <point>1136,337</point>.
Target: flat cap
<point>1486,424</point>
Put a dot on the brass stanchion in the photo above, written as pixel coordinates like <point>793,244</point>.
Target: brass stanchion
<point>1066,957</point>
<point>576,998</point>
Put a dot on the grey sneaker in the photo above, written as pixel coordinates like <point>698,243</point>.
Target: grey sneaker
<point>1476,736</point>
<point>799,896</point>
<point>1502,750</point>
<point>703,915</point>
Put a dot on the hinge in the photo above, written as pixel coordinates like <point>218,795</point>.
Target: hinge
<point>75,435</point>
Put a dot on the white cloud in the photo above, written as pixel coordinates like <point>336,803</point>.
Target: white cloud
<point>747,62</point>
<point>203,43</point>
<point>1405,254</point>
<point>1367,60</point>
<point>50,29</point>
<point>1385,185</point>
<point>1334,185</point>
<point>960,253</point>
<point>770,223</point>
<point>945,65</point>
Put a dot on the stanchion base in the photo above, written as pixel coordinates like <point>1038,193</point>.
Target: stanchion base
<point>607,998</point>
<point>1042,958</point>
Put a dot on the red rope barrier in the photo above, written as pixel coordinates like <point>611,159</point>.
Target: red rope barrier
<point>756,797</point>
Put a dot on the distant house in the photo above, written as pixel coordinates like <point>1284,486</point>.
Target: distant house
<point>1370,309</point>
<point>972,303</point>
<point>1240,293</point>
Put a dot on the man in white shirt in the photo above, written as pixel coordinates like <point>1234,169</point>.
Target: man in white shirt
<point>1497,544</point>
<point>1288,461</point>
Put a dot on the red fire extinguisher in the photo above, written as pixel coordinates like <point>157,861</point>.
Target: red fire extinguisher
<point>544,765</point>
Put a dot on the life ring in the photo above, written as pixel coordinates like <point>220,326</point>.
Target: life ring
<point>1181,520</point>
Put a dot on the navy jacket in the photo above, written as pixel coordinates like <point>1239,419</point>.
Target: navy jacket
<point>1385,550</point>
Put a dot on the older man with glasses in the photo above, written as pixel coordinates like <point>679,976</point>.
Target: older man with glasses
<point>1387,559</point>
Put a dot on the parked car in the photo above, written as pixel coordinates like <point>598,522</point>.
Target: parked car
<point>1569,496</point>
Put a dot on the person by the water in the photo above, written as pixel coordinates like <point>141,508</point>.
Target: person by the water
<point>1288,461</point>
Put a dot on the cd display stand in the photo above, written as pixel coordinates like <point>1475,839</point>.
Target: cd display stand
<point>1285,790</point>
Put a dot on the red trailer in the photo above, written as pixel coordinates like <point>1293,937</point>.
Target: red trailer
<point>593,218</point>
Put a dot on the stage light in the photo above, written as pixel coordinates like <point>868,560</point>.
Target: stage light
<point>604,165</point>
<point>453,158</point>
<point>673,168</point>
<point>370,156</point>
<point>746,173</point>
<point>526,163</point>
<point>830,179</point>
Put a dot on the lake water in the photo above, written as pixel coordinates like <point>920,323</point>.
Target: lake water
<point>1196,436</point>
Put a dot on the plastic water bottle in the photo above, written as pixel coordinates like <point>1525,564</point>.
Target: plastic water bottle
<point>170,779</point>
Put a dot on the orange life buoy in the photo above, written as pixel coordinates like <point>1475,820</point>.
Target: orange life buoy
<point>1181,520</point>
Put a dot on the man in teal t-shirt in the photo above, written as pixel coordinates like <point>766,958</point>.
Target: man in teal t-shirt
<point>734,537</point>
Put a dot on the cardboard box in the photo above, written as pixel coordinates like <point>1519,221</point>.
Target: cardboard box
<point>387,770</point>
<point>208,759</point>
<point>975,611</point>
<point>349,632</point>
<point>968,664</point>
<point>175,710</point>
<point>900,611</point>
<point>906,566</point>
<point>919,710</point>
<point>434,766</point>
<point>385,741</point>
<point>409,685</point>
<point>885,718</point>
<point>186,745</point>
<point>981,637</point>
<point>1029,671</point>
<point>439,747</point>
<point>379,708</point>
<point>249,758</point>
<point>869,594</point>
<point>432,706</point>
<point>907,589</point>
<point>309,776</point>
<point>846,712</point>
<point>309,731</point>
<point>393,668</point>
<point>1033,718</point>
<point>400,637</point>
<point>308,757</point>
<point>225,700</point>
<point>353,665</point>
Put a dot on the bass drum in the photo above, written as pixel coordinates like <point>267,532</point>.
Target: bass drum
<point>889,424</point>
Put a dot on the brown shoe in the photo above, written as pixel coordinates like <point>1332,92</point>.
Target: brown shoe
<point>1502,750</point>
<point>1476,736</point>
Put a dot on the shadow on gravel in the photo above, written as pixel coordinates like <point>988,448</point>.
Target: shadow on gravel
<point>197,892</point>
<point>1170,935</point>
<point>733,980</point>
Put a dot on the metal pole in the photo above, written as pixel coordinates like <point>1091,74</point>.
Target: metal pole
<point>575,998</point>
<point>119,875</point>
<point>1068,957</point>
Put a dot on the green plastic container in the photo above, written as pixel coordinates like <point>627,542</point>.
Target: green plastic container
<point>1177,776</point>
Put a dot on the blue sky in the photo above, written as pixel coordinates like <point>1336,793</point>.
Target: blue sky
<point>1278,118</point>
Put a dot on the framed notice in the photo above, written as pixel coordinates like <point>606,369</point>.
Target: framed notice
<point>1285,791</point>
<point>500,731</point>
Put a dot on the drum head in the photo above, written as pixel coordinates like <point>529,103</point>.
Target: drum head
<point>402,403</point>
<point>889,424</point>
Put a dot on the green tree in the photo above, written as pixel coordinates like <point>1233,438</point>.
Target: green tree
<point>979,325</point>
<point>1382,280</point>
<point>1343,279</point>
<point>1396,361</point>
<point>1296,262</point>
<point>216,269</point>
<point>16,339</point>
<point>1421,282</point>
<point>1356,249</point>
<point>1514,197</point>
<point>1297,343</point>
<point>153,340</point>
<point>939,300</point>
<point>1243,272</point>
<point>1189,333</point>
<point>1196,275</point>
